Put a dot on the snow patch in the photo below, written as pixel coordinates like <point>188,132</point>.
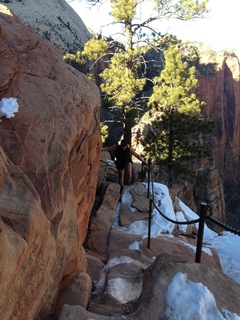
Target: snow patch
<point>8,107</point>
<point>189,300</point>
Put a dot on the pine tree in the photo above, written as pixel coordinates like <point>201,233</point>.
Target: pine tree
<point>179,130</point>
<point>104,131</point>
<point>124,80</point>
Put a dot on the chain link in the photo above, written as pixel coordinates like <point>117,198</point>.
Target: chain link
<point>226,227</point>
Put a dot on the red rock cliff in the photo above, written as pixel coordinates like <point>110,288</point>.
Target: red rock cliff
<point>49,158</point>
<point>221,92</point>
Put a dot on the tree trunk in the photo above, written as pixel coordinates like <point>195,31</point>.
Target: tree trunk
<point>128,133</point>
<point>170,149</point>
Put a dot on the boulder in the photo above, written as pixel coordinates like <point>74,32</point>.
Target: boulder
<point>105,214</point>
<point>158,276</point>
<point>101,223</point>
<point>140,198</point>
<point>78,312</point>
<point>49,159</point>
<point>95,266</point>
<point>126,216</point>
<point>78,292</point>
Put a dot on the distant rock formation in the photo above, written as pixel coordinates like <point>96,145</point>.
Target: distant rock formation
<point>218,74</point>
<point>209,189</point>
<point>49,160</point>
<point>219,87</point>
<point>53,20</point>
<point>221,92</point>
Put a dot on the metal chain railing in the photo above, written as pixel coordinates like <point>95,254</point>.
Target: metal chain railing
<point>175,221</point>
<point>201,220</point>
<point>228,228</point>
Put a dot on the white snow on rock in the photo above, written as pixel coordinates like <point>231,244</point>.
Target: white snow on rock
<point>8,107</point>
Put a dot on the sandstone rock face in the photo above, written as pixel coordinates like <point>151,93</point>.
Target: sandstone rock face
<point>209,189</point>
<point>219,87</point>
<point>221,92</point>
<point>49,159</point>
<point>53,20</point>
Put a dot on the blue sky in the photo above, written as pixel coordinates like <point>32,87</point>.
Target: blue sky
<point>219,29</point>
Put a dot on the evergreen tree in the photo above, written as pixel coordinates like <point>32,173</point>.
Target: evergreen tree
<point>125,78</point>
<point>179,130</point>
<point>104,131</point>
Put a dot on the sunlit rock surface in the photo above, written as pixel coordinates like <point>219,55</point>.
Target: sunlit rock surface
<point>54,21</point>
<point>49,159</point>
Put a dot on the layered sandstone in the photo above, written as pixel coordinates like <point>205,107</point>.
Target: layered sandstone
<point>49,159</point>
<point>219,86</point>
<point>220,89</point>
<point>54,21</point>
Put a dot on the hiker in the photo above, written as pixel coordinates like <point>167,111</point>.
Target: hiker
<point>124,160</point>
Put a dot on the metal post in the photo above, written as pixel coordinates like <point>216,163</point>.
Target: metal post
<point>149,176</point>
<point>203,212</point>
<point>142,172</point>
<point>149,222</point>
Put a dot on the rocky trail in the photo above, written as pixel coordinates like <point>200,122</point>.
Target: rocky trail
<point>128,278</point>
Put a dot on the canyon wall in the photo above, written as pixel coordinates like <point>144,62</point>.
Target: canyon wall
<point>219,87</point>
<point>221,92</point>
<point>218,74</point>
<point>49,160</point>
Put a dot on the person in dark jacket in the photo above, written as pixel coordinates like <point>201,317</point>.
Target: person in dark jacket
<point>124,160</point>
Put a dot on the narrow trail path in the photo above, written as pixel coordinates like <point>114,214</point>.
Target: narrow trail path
<point>129,279</point>
<point>120,279</point>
